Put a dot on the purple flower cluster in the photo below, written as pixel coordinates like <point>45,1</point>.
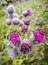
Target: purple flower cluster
<point>39,36</point>
<point>25,46</point>
<point>12,18</point>
<point>18,45</point>
<point>14,38</point>
<point>27,13</point>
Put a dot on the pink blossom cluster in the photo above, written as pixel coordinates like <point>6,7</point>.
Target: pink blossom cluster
<point>20,45</point>
<point>39,36</point>
<point>14,38</point>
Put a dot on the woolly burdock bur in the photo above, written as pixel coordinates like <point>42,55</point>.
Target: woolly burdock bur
<point>10,9</point>
<point>21,23</point>
<point>25,14</point>
<point>13,53</point>
<point>29,12</point>
<point>15,21</point>
<point>8,21</point>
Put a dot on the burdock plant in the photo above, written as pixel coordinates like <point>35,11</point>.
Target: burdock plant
<point>19,45</point>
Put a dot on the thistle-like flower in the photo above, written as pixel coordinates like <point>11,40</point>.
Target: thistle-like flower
<point>8,21</point>
<point>26,47</point>
<point>13,53</point>
<point>21,23</point>
<point>15,21</point>
<point>29,12</point>
<point>25,14</point>
<point>25,30</point>
<point>10,9</point>
<point>27,22</point>
<point>14,38</point>
<point>39,36</point>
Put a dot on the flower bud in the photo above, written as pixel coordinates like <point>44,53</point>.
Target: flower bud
<point>15,21</point>
<point>27,22</point>
<point>8,21</point>
<point>21,23</point>
<point>10,9</point>
<point>25,30</point>
<point>29,12</point>
<point>25,14</point>
<point>13,53</point>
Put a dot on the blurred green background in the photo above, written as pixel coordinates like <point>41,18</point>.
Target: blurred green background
<point>40,9</point>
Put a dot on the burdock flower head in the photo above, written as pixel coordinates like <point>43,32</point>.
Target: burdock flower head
<point>21,23</point>
<point>15,21</point>
<point>25,30</point>
<point>39,36</point>
<point>25,47</point>
<point>14,38</point>
<point>27,22</point>
<point>29,12</point>
<point>10,9</point>
<point>8,21</point>
<point>25,14</point>
<point>13,53</point>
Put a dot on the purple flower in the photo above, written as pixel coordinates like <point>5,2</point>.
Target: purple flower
<point>15,21</point>
<point>29,11</point>
<point>25,13</point>
<point>13,53</point>
<point>37,19</point>
<point>8,21</point>
<point>27,22</point>
<point>10,9</point>
<point>25,30</point>
<point>14,38</point>
<point>25,47</point>
<point>39,36</point>
<point>21,23</point>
